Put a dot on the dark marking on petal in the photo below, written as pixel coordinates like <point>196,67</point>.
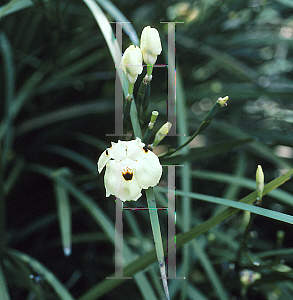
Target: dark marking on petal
<point>127,176</point>
<point>107,152</point>
<point>146,150</point>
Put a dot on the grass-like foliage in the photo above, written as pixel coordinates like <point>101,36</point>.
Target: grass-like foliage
<point>59,71</point>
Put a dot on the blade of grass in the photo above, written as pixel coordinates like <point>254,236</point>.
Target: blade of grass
<point>104,222</point>
<point>157,237</point>
<point>4,294</point>
<point>8,66</point>
<point>14,6</point>
<point>204,260</point>
<point>258,148</point>
<point>223,59</point>
<point>68,113</point>
<point>278,194</point>
<point>73,155</point>
<point>141,280</point>
<point>119,17</point>
<point>145,260</point>
<point>275,252</point>
<point>24,93</point>
<point>210,270</point>
<point>235,204</point>
<point>109,37</point>
<point>56,285</point>
<point>64,216</point>
<point>14,174</point>
<point>23,275</point>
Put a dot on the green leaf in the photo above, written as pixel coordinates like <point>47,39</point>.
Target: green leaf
<point>119,17</point>
<point>64,216</point>
<point>14,6</point>
<point>4,294</point>
<point>35,265</point>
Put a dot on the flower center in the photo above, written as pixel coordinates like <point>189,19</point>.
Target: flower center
<point>127,174</point>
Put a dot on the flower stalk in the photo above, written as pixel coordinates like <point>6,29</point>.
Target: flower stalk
<point>207,121</point>
<point>143,98</point>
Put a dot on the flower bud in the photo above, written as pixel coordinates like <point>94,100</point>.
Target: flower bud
<point>259,181</point>
<point>150,45</point>
<point>132,63</point>
<point>160,135</point>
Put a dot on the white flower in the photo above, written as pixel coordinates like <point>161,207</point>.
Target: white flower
<point>130,167</point>
<point>132,63</point>
<point>150,45</point>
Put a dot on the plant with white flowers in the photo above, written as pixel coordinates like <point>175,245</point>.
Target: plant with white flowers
<point>130,167</point>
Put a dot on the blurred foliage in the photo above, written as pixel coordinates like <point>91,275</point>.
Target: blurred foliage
<point>57,91</point>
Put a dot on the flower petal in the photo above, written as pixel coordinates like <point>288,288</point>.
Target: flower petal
<point>103,159</point>
<point>130,190</point>
<point>148,169</point>
<point>120,180</point>
<point>112,178</point>
<point>134,148</point>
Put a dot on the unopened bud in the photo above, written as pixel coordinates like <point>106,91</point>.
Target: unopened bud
<point>259,182</point>
<point>150,45</point>
<point>153,118</point>
<point>131,63</point>
<point>162,132</point>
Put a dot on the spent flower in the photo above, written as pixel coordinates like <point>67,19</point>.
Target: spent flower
<point>130,167</point>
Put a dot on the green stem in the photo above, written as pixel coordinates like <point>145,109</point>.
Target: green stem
<point>150,70</point>
<point>157,237</point>
<point>140,98</point>
<point>244,243</point>
<point>207,121</point>
<point>134,120</point>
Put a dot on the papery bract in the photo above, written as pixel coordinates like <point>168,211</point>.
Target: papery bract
<point>150,45</point>
<point>132,63</point>
<point>130,167</point>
